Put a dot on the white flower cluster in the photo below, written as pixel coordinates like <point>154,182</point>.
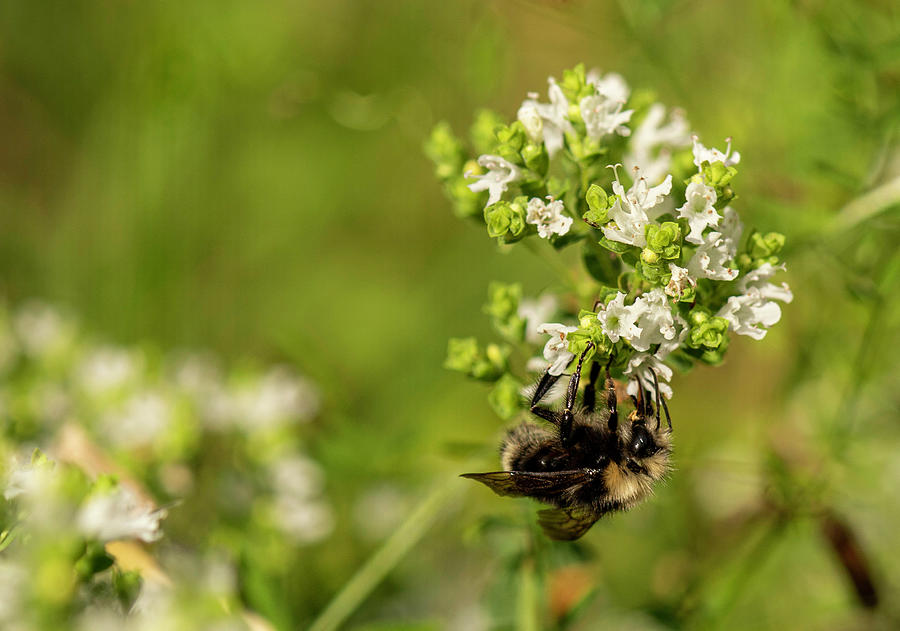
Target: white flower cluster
<point>651,324</point>
<point>128,404</point>
<point>113,514</point>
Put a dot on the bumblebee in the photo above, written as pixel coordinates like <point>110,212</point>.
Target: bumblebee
<point>585,463</point>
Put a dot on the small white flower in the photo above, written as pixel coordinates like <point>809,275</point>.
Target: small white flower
<point>279,398</point>
<point>711,258</point>
<point>755,310</point>
<point>618,321</point>
<point>681,280</point>
<point>549,121</point>
<point>144,419</point>
<point>717,249</point>
<point>702,154</point>
<point>642,366</point>
<point>556,350</point>
<point>652,142</point>
<point>118,515</point>
<point>42,330</point>
<point>758,278</point>
<point>629,212</point>
<point>498,178</point>
<point>530,117</point>
<point>603,116</point>
<point>612,86</point>
<point>548,217</point>
<point>699,210</point>
<point>654,320</point>
<point>536,312</point>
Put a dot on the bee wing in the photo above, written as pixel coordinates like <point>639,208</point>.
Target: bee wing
<point>528,483</point>
<point>567,524</point>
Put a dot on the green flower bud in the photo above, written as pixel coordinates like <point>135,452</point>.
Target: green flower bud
<point>710,334</point>
<point>505,221</point>
<point>462,353</point>
<point>127,586</point>
<point>492,364</point>
<point>503,306</point>
<point>717,174</point>
<point>536,158</point>
<point>505,398</point>
<point>664,240</point>
<point>699,315</point>
<point>599,204</point>
<point>94,560</point>
<point>765,246</point>
<point>510,153</point>
<point>649,257</point>
<point>483,131</point>
<point>445,150</point>
<point>465,202</point>
<point>513,135</point>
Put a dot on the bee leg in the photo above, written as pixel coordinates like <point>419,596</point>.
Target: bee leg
<point>660,402</point>
<point>590,393</point>
<point>543,387</point>
<point>611,404</point>
<point>565,422</point>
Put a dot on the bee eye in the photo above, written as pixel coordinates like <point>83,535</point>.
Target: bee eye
<point>642,444</point>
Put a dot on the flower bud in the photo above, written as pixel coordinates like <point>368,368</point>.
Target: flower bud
<point>505,397</point>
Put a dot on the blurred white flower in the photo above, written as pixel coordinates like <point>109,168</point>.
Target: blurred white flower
<point>536,312</point>
<point>144,418</point>
<point>556,351</point>
<point>279,398</point>
<point>548,217</point>
<point>603,116</point>
<point>629,212</point>
<point>531,120</point>
<point>297,505</point>
<point>118,515</point>
<point>699,210</point>
<point>702,154</point>
<point>297,476</point>
<point>501,173</point>
<point>612,85</point>
<point>547,120</point>
<point>42,330</point>
<point>108,368</point>
<point>602,111</point>
<point>652,143</point>
<point>304,521</point>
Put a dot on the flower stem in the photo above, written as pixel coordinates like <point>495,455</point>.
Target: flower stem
<point>385,559</point>
<point>867,206</point>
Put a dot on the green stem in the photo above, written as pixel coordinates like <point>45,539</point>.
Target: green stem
<point>867,206</point>
<point>528,602</point>
<point>566,275</point>
<point>385,559</point>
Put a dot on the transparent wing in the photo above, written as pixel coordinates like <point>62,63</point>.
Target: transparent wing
<point>531,484</point>
<point>567,524</point>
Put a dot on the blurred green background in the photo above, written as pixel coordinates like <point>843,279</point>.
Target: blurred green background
<point>248,178</point>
